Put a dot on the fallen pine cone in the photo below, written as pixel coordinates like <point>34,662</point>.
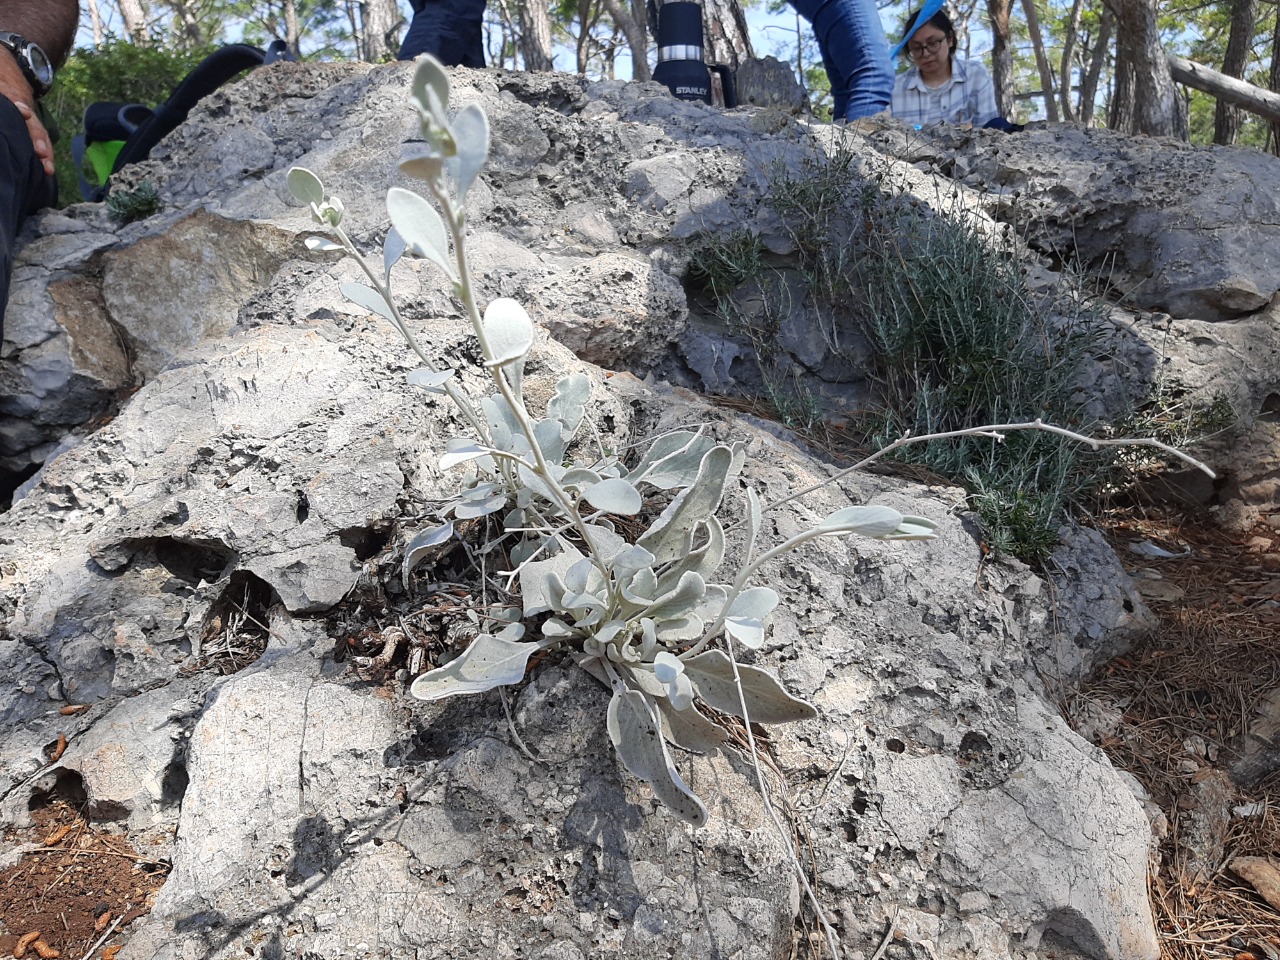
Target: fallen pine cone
<point>20,948</point>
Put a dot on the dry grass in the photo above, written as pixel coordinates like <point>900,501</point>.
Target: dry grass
<point>1184,698</point>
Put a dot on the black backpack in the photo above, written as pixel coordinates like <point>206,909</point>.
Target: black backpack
<point>118,134</point>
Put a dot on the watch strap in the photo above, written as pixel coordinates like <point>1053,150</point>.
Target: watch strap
<point>19,45</point>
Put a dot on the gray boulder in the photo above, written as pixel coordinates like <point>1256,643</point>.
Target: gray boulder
<point>274,463</point>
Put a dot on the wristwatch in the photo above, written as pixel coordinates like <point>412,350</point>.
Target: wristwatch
<point>32,61</point>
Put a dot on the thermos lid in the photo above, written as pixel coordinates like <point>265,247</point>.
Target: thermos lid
<point>680,25</point>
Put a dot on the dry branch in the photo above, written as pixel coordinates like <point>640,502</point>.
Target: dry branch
<point>1243,95</point>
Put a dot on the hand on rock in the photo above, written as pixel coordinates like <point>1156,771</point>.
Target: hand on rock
<point>14,86</point>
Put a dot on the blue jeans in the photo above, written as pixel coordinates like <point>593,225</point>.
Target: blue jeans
<point>855,54</point>
<point>452,31</point>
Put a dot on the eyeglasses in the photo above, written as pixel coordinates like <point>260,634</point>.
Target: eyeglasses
<point>917,50</point>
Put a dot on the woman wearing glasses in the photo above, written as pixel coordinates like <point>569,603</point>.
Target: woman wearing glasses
<point>939,88</point>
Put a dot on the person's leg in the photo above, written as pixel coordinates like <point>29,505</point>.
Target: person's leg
<point>452,31</point>
<point>24,189</point>
<point>855,54</point>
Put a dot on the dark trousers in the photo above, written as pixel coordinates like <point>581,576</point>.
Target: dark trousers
<point>24,189</point>
<point>450,30</point>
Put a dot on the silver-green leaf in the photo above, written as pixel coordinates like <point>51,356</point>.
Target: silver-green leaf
<point>869,521</point>
<point>508,330</point>
<point>680,601</point>
<point>767,700</point>
<point>690,730</point>
<point>633,728</point>
<point>393,248</point>
<point>431,75</point>
<point>420,226</point>
<point>568,403</point>
<point>304,185</point>
<point>421,161</point>
<point>541,582</point>
<point>913,528</point>
<point>748,631</point>
<point>462,454</point>
<point>614,496</point>
<point>421,545</point>
<point>672,461</point>
<point>368,298</point>
<point>471,133</point>
<point>756,602</point>
<point>671,534</point>
<point>490,661</point>
<point>321,245</point>
<point>470,509</point>
<point>432,381</point>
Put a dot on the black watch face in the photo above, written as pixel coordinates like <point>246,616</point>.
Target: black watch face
<point>40,65</point>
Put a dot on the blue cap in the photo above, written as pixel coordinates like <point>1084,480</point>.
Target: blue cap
<point>927,11</point>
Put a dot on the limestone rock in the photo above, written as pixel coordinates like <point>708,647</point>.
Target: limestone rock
<point>1168,219</point>
<point>276,458</point>
<point>768,82</point>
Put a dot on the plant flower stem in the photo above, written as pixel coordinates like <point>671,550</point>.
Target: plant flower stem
<point>455,221</point>
<point>996,432</point>
<point>783,834</point>
<point>457,396</point>
<point>740,582</point>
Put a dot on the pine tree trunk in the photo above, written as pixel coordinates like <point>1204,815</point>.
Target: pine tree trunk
<point>1065,68</point>
<point>1275,82</point>
<point>1146,100</point>
<point>633,28</point>
<point>135,20</point>
<point>380,23</point>
<point>293,32</point>
<point>535,36</point>
<point>1042,60</point>
<point>1226,118</point>
<point>727,39</point>
<point>1001,55</point>
<point>724,27</point>
<point>190,31</point>
<point>586,20</point>
<point>1097,60</point>
<point>95,18</point>
<point>1226,89</point>
<point>352,8</point>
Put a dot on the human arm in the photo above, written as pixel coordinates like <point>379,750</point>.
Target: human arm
<point>51,24</point>
<point>981,94</point>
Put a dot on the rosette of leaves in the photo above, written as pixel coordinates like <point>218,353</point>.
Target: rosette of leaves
<point>639,615</point>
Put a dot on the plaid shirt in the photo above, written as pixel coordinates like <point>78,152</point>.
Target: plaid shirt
<point>968,97</point>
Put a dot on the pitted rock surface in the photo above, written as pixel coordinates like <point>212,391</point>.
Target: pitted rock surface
<point>273,445</point>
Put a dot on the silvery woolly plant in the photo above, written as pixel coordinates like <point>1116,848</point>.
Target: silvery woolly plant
<point>646,618</point>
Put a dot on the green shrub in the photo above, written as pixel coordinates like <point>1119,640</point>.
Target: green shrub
<point>719,262</point>
<point>955,342</point>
